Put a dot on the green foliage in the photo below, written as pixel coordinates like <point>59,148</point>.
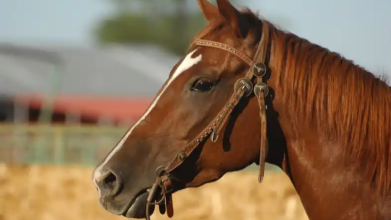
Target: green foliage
<point>171,25</point>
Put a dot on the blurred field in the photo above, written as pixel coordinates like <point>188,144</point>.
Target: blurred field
<point>66,193</point>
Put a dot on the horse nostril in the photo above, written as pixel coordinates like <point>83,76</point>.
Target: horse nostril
<point>109,183</point>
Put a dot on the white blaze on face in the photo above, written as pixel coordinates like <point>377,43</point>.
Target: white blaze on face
<point>186,64</point>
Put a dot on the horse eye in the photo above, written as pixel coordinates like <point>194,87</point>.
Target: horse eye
<point>202,85</point>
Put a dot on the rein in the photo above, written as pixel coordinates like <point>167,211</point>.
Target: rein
<point>243,87</point>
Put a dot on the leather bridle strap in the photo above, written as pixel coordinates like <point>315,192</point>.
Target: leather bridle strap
<point>243,87</point>
<point>261,90</point>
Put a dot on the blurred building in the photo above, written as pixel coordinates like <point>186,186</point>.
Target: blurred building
<point>111,84</point>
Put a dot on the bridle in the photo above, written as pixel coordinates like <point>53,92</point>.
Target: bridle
<point>243,88</point>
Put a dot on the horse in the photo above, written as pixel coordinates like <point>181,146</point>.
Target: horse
<point>248,92</point>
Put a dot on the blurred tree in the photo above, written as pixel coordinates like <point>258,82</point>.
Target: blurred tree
<point>170,24</point>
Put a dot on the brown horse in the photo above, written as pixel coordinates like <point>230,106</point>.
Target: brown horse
<point>328,123</point>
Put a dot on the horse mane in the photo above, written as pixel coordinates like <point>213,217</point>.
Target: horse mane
<point>342,100</point>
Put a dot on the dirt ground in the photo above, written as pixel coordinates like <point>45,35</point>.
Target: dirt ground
<point>67,193</point>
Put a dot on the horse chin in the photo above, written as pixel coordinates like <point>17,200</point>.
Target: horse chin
<point>138,208</point>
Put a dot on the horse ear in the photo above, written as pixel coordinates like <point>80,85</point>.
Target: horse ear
<point>233,17</point>
<point>208,9</point>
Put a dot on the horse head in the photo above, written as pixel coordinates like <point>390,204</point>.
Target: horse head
<point>209,118</point>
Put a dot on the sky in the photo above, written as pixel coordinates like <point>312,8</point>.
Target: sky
<point>357,29</point>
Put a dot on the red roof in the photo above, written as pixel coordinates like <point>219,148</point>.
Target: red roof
<point>118,109</point>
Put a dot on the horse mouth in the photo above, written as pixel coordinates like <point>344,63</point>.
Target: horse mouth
<point>137,206</point>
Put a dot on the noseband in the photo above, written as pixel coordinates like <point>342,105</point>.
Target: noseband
<point>243,88</point>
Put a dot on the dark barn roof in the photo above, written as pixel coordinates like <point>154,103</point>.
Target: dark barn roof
<point>113,82</point>
<point>109,71</point>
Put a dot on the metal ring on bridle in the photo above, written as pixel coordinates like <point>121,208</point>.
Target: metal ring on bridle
<point>160,171</point>
<point>262,87</point>
<point>245,84</point>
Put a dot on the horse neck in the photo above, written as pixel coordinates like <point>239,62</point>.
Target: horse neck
<point>328,186</point>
